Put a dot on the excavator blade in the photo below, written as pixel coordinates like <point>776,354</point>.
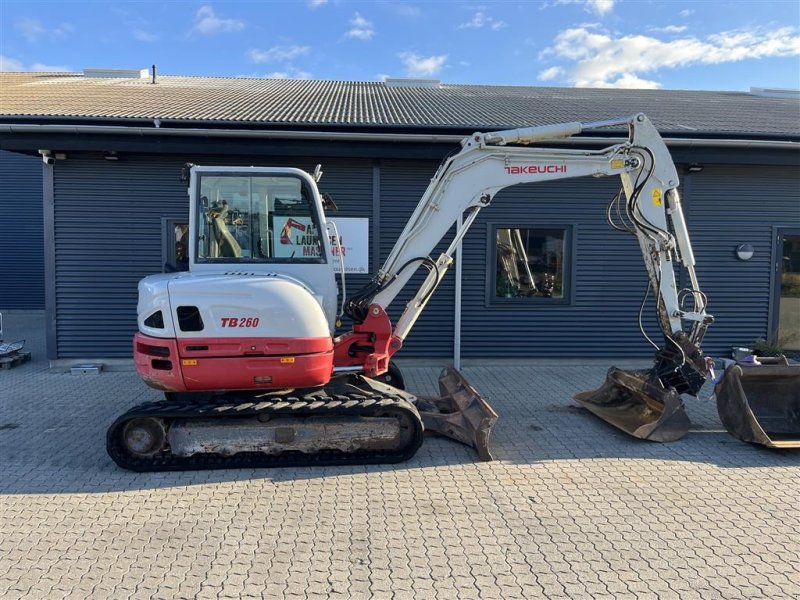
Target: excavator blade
<point>459,413</point>
<point>630,401</point>
<point>761,403</point>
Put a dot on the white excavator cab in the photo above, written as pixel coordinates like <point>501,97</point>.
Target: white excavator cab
<point>262,220</point>
<point>260,289</point>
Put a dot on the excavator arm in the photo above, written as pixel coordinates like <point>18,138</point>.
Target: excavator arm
<point>468,181</point>
<point>648,206</point>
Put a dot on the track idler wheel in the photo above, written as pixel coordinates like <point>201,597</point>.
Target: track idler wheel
<point>144,436</point>
<point>636,403</point>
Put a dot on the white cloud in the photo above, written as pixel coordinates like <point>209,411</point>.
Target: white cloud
<point>207,22</point>
<point>627,81</point>
<point>602,60</point>
<point>551,73</point>
<point>422,66</point>
<point>12,64</point>
<point>686,12</point>
<point>360,28</point>
<point>406,10</point>
<point>672,29</point>
<point>33,30</point>
<point>599,7</point>
<point>144,36</point>
<point>480,20</point>
<point>290,73</point>
<point>316,3</point>
<point>277,53</point>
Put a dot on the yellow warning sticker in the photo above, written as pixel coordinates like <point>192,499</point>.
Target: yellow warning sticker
<point>657,198</point>
<point>189,362</point>
<point>617,163</point>
<point>287,360</point>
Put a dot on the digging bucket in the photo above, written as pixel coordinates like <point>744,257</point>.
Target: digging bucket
<point>460,413</point>
<point>636,403</point>
<point>761,403</point>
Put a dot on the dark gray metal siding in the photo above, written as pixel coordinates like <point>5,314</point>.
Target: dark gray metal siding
<point>108,236</point>
<point>609,279</point>
<point>727,207</point>
<point>402,185</point>
<point>21,232</point>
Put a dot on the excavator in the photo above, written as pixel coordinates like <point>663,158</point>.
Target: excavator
<point>244,344</point>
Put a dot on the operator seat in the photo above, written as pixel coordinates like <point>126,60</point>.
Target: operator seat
<point>227,245</point>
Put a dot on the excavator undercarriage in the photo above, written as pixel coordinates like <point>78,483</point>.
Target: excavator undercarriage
<point>352,420</point>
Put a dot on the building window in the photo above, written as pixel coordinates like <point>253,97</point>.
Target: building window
<point>529,264</point>
<point>174,244</point>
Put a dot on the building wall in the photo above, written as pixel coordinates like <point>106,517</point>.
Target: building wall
<point>21,232</point>
<point>729,206</point>
<point>108,235</point>
<point>607,273</point>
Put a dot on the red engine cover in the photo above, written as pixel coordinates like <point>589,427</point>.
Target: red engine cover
<point>221,364</point>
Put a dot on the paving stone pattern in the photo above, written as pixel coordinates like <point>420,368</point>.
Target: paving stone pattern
<point>570,509</point>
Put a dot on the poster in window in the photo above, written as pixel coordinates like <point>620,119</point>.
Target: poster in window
<point>297,237</point>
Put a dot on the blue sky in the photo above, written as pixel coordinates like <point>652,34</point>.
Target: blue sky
<point>711,45</point>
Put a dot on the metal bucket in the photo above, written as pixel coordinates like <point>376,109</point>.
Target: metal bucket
<point>460,413</point>
<point>761,403</point>
<point>636,403</point>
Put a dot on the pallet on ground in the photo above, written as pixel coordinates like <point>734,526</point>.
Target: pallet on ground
<point>6,362</point>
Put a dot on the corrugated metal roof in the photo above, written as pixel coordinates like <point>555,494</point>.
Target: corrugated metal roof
<point>281,102</point>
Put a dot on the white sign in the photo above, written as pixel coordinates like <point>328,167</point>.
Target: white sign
<point>354,240</point>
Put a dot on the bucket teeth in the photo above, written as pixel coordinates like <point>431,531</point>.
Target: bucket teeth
<point>459,413</point>
<point>638,405</point>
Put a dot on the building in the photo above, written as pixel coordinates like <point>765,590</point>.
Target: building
<point>22,249</point>
<point>115,143</point>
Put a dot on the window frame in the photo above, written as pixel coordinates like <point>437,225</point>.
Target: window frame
<point>315,216</point>
<point>490,283</point>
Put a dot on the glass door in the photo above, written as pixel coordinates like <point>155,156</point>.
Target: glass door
<point>788,265</point>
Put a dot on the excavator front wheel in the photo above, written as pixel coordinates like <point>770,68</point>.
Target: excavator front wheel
<point>144,436</point>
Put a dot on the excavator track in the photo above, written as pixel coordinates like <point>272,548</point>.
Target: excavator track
<point>143,438</point>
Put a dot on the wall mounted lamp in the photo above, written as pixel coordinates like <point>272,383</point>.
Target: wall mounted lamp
<point>744,251</point>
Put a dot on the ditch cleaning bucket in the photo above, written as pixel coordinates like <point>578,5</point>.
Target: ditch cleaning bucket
<point>760,403</point>
<point>639,405</point>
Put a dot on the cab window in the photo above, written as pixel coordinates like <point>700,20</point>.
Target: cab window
<point>243,218</point>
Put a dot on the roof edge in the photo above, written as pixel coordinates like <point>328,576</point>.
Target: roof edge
<point>368,136</point>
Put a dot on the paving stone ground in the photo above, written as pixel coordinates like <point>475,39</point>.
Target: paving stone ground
<point>571,508</point>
